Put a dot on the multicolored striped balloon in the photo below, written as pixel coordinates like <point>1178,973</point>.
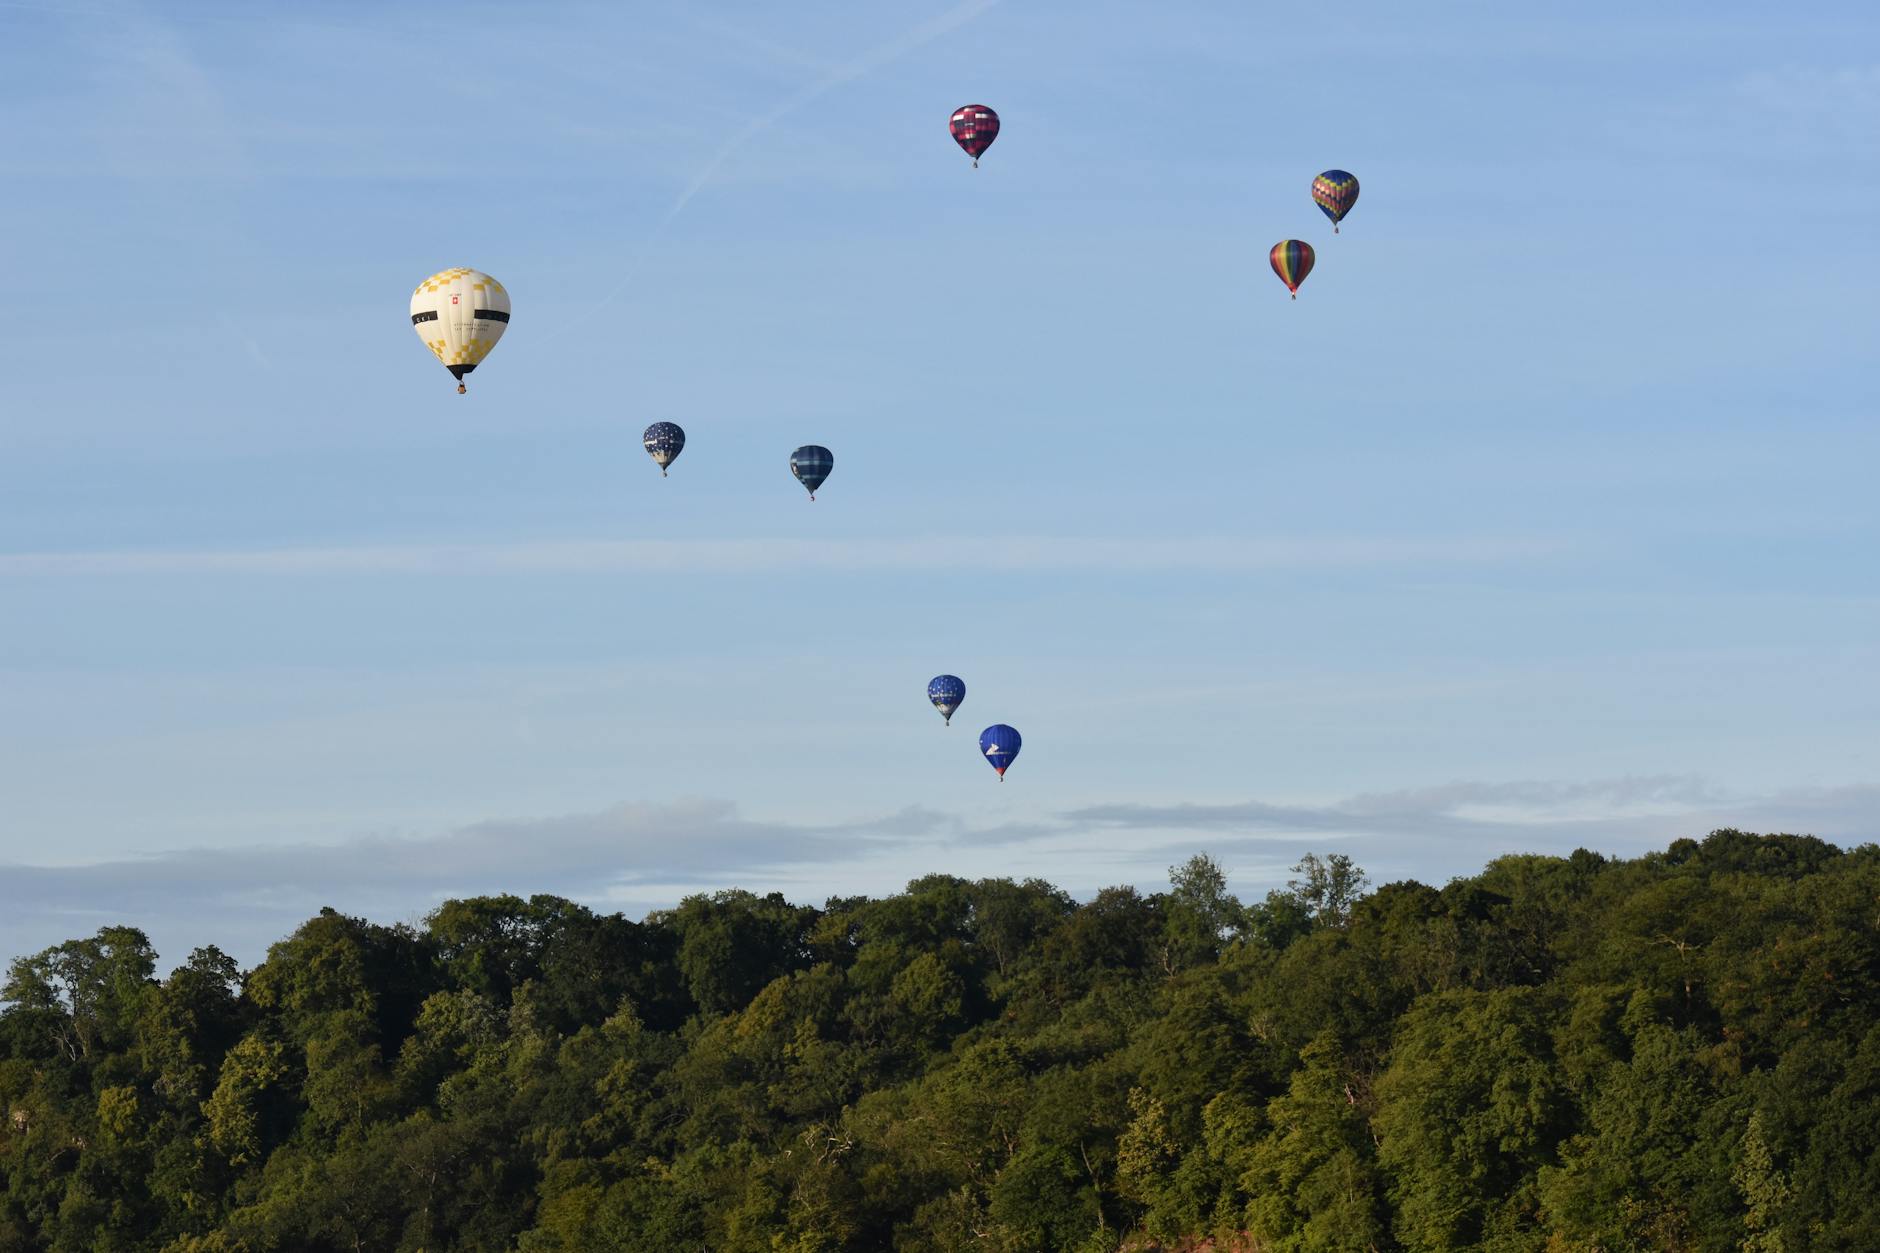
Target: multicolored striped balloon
<point>1292,261</point>
<point>974,127</point>
<point>1334,192</point>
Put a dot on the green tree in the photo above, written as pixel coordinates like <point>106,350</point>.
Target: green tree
<point>1311,1178</point>
<point>1327,887</point>
<point>1042,1200</point>
<point>1764,1188</point>
<point>1200,913</point>
<point>730,944</point>
<point>1470,1107</point>
<point>89,992</point>
<point>1679,1050</point>
<point>246,1111</point>
<point>1650,1167</point>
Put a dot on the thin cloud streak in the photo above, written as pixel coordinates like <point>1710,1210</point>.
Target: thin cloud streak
<point>245,897</point>
<point>870,61</point>
<point>649,856</point>
<point>757,556</point>
<point>257,892</point>
<point>1608,815</point>
<point>1847,96</point>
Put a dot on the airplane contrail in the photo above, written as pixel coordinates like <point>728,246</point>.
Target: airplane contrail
<point>868,62</point>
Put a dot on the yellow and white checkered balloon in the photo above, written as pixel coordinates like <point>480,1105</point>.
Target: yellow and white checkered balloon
<point>460,314</point>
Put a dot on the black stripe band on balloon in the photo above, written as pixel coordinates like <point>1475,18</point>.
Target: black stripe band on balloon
<point>429,315</point>
<point>491,315</point>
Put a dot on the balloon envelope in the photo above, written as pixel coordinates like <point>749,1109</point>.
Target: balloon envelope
<point>974,127</point>
<point>460,314</point>
<point>811,464</point>
<point>1292,261</point>
<point>664,442</point>
<point>1334,192</point>
<point>946,692</point>
<point>1000,744</point>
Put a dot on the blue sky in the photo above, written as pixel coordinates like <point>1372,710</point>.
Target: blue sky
<point>1543,518</point>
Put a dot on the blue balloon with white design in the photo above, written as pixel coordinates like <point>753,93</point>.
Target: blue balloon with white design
<point>946,692</point>
<point>664,442</point>
<point>1000,744</point>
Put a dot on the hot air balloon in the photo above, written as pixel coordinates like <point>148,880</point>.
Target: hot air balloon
<point>1000,744</point>
<point>460,314</point>
<point>946,692</point>
<point>811,464</point>
<point>1334,192</point>
<point>664,442</point>
<point>1292,261</point>
<point>974,128</point>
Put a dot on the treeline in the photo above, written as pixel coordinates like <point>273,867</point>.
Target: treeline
<point>1680,1051</point>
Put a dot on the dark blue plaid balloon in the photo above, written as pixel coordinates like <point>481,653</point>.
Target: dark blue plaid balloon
<point>664,442</point>
<point>811,464</point>
<point>1000,744</point>
<point>946,692</point>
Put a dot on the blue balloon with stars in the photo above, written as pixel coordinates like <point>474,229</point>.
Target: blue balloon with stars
<point>946,692</point>
<point>664,442</point>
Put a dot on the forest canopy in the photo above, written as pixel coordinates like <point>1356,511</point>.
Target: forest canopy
<point>1676,1051</point>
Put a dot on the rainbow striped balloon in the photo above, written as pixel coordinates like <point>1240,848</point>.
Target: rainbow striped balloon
<point>1292,261</point>
<point>1334,192</point>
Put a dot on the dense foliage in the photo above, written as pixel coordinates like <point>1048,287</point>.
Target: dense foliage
<point>1676,1052</point>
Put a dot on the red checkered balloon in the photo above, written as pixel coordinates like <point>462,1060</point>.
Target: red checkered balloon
<point>974,128</point>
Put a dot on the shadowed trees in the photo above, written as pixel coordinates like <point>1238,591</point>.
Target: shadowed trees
<point>1676,1051</point>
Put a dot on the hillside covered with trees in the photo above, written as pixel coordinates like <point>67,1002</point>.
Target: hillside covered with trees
<point>1680,1051</point>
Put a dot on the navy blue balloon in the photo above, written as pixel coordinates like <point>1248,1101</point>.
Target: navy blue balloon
<point>946,692</point>
<point>1000,744</point>
<point>664,442</point>
<point>811,464</point>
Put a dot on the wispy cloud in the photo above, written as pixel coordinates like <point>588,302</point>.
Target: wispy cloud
<point>168,117</point>
<point>1846,97</point>
<point>745,556</point>
<point>1609,814</point>
<point>252,894</point>
<point>849,71</point>
<point>1785,114</point>
<point>867,63</point>
<point>636,856</point>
